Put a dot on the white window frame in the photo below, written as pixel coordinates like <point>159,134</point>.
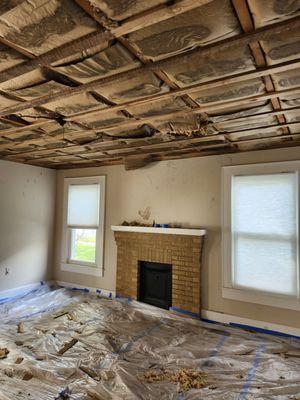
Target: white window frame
<point>249,295</point>
<point>67,263</point>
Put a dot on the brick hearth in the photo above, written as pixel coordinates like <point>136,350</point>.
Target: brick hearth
<point>182,251</point>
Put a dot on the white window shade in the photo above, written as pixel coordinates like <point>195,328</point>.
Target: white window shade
<point>264,232</point>
<point>83,205</point>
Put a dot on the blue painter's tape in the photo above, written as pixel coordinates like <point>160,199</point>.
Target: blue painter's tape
<point>261,330</point>
<point>215,350</point>
<point>126,347</point>
<point>189,313</point>
<point>252,372</point>
<point>251,328</point>
<point>121,298</point>
<point>80,289</point>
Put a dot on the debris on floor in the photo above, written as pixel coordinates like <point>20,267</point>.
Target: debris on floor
<point>3,353</point>
<point>21,328</point>
<point>188,379</point>
<point>80,346</point>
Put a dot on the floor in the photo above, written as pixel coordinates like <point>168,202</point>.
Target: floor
<point>73,345</point>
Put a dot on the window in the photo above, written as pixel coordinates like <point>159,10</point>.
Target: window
<point>83,225</point>
<point>260,237</point>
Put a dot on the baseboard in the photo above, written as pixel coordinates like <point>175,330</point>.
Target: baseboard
<point>75,286</point>
<point>21,290</point>
<point>260,326</point>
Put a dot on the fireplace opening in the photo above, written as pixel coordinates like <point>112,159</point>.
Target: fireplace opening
<point>155,286</point>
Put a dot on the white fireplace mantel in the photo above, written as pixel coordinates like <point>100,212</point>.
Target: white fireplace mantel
<point>168,231</point>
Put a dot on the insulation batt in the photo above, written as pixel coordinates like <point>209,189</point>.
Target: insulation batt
<point>271,11</point>
<point>218,63</point>
<point>109,61</point>
<point>9,58</point>
<point>228,92</point>
<point>115,343</point>
<point>206,24</point>
<point>145,84</point>
<point>41,25</point>
<point>119,10</point>
<point>282,47</point>
<point>70,105</point>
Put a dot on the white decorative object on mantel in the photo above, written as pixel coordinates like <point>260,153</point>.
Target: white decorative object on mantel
<point>168,231</point>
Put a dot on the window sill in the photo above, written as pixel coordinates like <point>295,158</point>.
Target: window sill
<point>81,269</point>
<point>256,297</point>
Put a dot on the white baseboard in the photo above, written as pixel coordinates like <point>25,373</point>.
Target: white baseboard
<point>233,319</point>
<point>103,292</point>
<point>21,290</point>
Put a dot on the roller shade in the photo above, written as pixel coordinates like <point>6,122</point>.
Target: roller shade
<point>83,205</point>
<point>264,232</point>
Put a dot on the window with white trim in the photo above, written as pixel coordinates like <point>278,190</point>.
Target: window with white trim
<point>260,234</point>
<point>83,225</point>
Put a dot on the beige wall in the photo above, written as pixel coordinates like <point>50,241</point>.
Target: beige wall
<point>183,191</point>
<point>27,201</point>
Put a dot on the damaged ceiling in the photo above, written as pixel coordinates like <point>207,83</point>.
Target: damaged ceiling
<point>102,82</point>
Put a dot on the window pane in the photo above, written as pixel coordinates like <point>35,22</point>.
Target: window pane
<point>264,232</point>
<point>83,205</point>
<point>83,245</point>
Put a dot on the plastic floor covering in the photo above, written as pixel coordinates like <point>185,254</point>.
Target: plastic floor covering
<point>64,344</point>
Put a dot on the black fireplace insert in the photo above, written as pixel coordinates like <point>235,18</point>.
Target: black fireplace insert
<point>155,286</point>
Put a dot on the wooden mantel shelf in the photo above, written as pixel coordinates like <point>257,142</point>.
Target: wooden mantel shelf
<point>168,231</point>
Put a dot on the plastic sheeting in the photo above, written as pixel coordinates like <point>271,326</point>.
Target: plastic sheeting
<point>118,341</point>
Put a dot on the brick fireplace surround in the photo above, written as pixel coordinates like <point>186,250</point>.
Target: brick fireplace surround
<point>182,248</point>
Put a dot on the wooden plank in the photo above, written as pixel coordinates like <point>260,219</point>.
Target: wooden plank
<point>67,346</point>
<point>96,38</point>
<point>17,48</point>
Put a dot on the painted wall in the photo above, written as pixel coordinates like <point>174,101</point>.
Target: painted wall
<point>183,191</point>
<point>27,204</point>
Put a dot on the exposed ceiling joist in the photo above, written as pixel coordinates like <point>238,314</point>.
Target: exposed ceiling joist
<point>156,83</point>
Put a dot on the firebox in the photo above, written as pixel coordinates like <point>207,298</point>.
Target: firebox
<point>155,284</point>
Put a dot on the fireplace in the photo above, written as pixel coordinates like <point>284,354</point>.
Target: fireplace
<point>168,255</point>
<point>155,284</point>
